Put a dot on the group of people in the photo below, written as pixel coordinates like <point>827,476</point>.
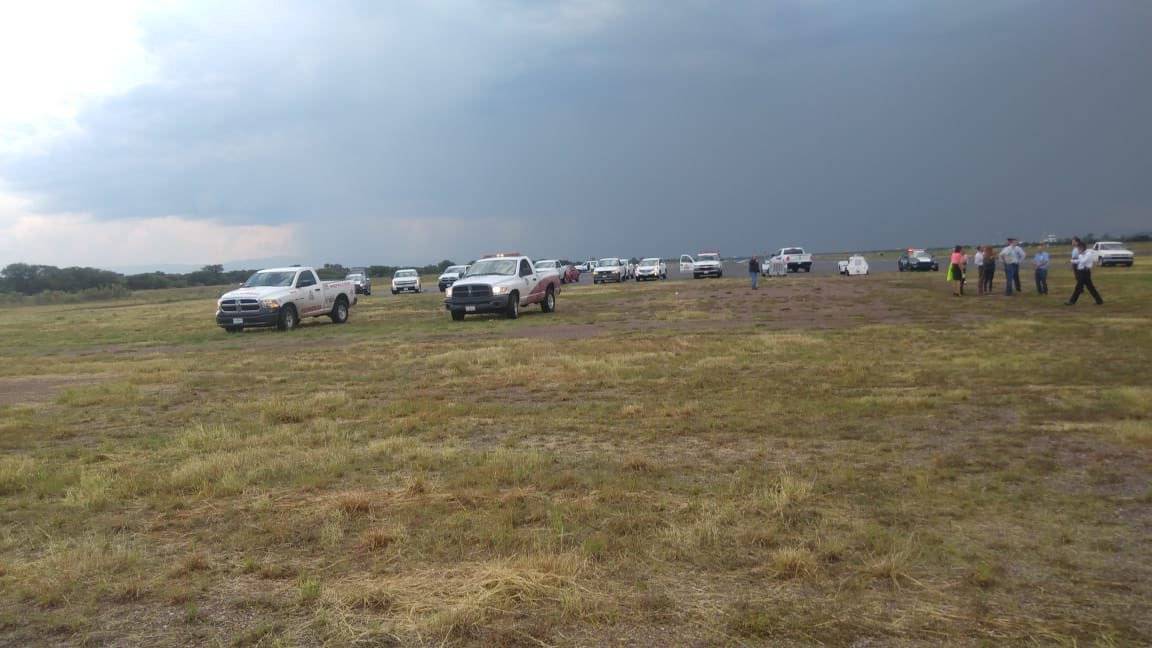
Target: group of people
<point>1011,257</point>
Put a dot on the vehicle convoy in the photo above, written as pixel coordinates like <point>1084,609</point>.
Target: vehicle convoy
<point>450,275</point>
<point>916,259</point>
<point>651,268</point>
<point>502,284</point>
<point>362,282</point>
<point>795,259</point>
<point>1113,253</point>
<point>281,297</point>
<point>706,264</point>
<point>568,273</point>
<point>407,280</point>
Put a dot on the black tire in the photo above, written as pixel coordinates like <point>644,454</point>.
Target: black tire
<point>457,315</point>
<point>289,318</point>
<point>513,309</point>
<point>548,304</point>
<point>395,292</point>
<point>339,314</point>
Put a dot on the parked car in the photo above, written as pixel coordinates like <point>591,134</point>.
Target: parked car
<point>795,259</point>
<point>502,284</point>
<point>407,280</point>
<point>280,297</point>
<point>362,282</point>
<point>706,264</point>
<point>1113,253</point>
<point>609,269</point>
<point>450,275</point>
<point>915,259</point>
<point>651,268</point>
<point>853,265</point>
<point>567,273</point>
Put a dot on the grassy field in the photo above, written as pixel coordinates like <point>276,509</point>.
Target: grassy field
<point>823,461</point>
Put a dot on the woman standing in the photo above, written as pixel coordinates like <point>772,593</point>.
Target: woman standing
<point>989,268</point>
<point>956,266</point>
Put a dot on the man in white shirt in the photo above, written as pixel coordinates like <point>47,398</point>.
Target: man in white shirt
<point>1011,256</point>
<point>1085,260</point>
<point>978,261</point>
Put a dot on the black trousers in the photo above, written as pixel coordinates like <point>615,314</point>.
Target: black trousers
<point>1084,282</point>
<point>989,273</point>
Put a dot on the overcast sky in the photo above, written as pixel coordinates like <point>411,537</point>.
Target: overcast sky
<point>136,133</point>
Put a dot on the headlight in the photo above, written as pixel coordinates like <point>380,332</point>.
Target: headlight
<point>448,292</point>
<point>270,304</point>
<point>499,290</point>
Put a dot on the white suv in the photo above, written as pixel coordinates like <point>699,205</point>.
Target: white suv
<point>407,280</point>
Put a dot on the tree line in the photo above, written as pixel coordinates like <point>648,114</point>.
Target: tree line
<point>31,279</point>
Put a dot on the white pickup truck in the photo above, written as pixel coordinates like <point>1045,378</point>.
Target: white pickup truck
<point>610,269</point>
<point>502,284</point>
<point>706,264</point>
<point>795,259</point>
<point>281,297</point>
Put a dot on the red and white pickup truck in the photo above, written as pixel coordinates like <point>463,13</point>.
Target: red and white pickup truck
<point>502,283</point>
<point>280,297</point>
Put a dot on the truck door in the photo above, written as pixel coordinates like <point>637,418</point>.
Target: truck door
<point>686,263</point>
<point>310,293</point>
<point>530,279</point>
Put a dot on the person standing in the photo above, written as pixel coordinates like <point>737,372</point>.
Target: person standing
<point>989,268</point>
<point>1010,256</point>
<point>978,261</point>
<point>1085,259</point>
<point>754,271</point>
<point>1040,260</point>
<point>1075,253</point>
<point>956,266</point>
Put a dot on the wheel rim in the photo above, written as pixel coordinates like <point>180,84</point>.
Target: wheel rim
<point>515,306</point>
<point>342,312</point>
<point>289,320</point>
<point>551,301</point>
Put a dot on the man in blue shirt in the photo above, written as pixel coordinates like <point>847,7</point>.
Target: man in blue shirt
<point>1041,260</point>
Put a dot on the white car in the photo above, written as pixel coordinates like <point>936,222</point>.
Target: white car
<point>855,265</point>
<point>280,297</point>
<point>407,280</point>
<point>502,284</point>
<point>609,269</point>
<point>450,275</point>
<point>1113,253</point>
<point>651,268</point>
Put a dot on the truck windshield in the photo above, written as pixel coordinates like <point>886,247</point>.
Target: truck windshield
<point>793,251</point>
<point>456,269</point>
<point>266,279</point>
<point>708,257</point>
<point>355,277</point>
<point>607,262</point>
<point>547,264</point>
<point>1111,246</point>
<point>406,273</point>
<point>650,262</point>
<point>493,267</point>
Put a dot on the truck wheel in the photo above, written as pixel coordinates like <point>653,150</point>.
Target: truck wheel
<point>457,315</point>
<point>394,291</point>
<point>513,310</point>
<point>548,305</point>
<point>339,314</point>
<point>288,318</point>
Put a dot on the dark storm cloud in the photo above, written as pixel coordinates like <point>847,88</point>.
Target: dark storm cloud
<point>435,130</point>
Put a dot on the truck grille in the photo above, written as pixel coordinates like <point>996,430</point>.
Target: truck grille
<point>239,305</point>
<point>472,290</point>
